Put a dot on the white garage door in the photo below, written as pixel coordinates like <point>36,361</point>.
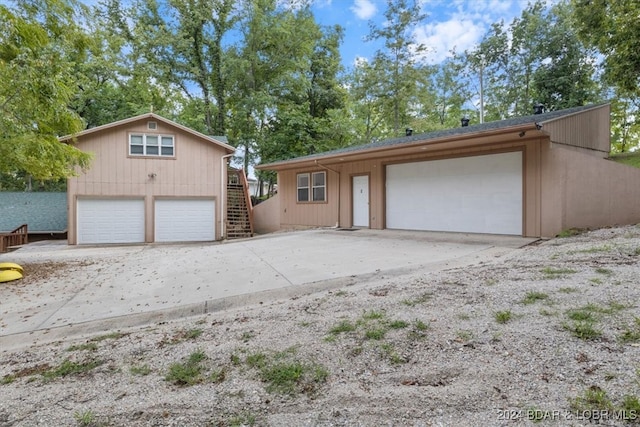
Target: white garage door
<point>110,221</point>
<point>182,220</point>
<point>479,194</point>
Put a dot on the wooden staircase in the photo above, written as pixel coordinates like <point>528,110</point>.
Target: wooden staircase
<point>239,221</point>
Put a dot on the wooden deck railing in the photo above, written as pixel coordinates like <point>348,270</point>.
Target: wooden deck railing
<point>17,237</point>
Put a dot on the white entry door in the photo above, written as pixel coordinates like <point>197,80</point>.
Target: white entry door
<point>360,189</point>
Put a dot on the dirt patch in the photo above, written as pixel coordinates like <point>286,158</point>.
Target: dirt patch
<point>547,335</point>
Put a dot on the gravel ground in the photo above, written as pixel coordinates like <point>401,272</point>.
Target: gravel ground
<point>547,335</point>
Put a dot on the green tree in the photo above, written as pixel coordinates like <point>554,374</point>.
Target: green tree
<point>38,42</point>
<point>180,44</point>
<point>538,58</point>
<point>396,68</point>
<point>613,27</point>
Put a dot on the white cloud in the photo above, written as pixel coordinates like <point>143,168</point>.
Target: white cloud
<point>364,9</point>
<point>441,37</point>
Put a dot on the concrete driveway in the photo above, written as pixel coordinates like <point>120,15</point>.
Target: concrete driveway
<point>101,288</point>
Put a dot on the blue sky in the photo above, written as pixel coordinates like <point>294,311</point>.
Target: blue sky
<point>450,24</point>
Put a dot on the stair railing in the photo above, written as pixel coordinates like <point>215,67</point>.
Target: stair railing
<point>247,197</point>
<point>19,236</point>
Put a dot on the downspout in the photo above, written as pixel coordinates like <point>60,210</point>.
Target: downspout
<point>223,183</point>
<point>339,185</point>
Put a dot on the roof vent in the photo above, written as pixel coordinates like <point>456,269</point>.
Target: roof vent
<point>152,125</point>
<point>464,121</point>
<point>538,109</point>
<point>408,132</point>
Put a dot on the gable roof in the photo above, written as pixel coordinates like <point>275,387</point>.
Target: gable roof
<point>156,117</point>
<point>534,121</point>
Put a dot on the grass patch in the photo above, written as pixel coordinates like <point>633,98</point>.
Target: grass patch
<point>418,300</point>
<point>593,398</point>
<point>85,418</point>
<point>584,330</point>
<point>372,315</point>
<point>568,290</point>
<point>110,336</point>
<point>189,372</point>
<point>464,336</point>
<point>553,273</point>
<point>570,232</point>
<point>585,319</point>
<point>90,346</point>
<point>218,376</point>
<point>398,324</point>
<point>418,329</point>
<point>593,250</point>
<point>241,420</point>
<point>182,335</point>
<point>140,370</point>
<point>631,334</point>
<point>285,375</point>
<point>69,367</point>
<point>533,297</point>
<point>375,333</point>
<point>604,271</point>
<point>503,316</point>
<point>343,327</point>
<point>391,354</point>
<point>630,408</point>
<point>247,336</point>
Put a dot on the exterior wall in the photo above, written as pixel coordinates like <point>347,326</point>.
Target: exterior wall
<point>582,191</point>
<point>338,208</point>
<point>195,171</point>
<point>266,215</point>
<point>587,129</point>
<point>309,214</point>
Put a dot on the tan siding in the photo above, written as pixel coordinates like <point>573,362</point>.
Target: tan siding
<point>583,191</point>
<point>589,129</point>
<point>194,172</point>
<point>294,214</point>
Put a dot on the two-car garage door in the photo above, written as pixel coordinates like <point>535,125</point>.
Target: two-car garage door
<point>479,194</point>
<point>123,220</point>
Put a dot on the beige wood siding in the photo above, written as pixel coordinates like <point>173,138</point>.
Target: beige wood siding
<point>583,191</point>
<point>588,129</point>
<point>195,171</point>
<point>339,197</point>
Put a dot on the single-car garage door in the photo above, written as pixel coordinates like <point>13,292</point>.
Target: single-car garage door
<point>479,194</point>
<point>182,220</point>
<point>110,221</point>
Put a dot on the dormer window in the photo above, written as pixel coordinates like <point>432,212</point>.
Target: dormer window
<point>141,144</point>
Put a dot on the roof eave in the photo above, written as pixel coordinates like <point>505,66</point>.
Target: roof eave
<point>293,163</point>
<point>230,149</point>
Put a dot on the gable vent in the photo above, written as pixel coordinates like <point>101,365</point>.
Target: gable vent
<point>152,125</point>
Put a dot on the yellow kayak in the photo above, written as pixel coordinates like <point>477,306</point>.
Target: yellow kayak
<point>9,275</point>
<point>11,266</point>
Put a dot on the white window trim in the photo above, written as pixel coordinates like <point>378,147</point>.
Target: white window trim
<point>159,145</point>
<point>310,187</point>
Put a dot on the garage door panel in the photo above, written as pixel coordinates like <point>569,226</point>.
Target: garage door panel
<point>110,221</point>
<point>184,220</point>
<point>479,194</point>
